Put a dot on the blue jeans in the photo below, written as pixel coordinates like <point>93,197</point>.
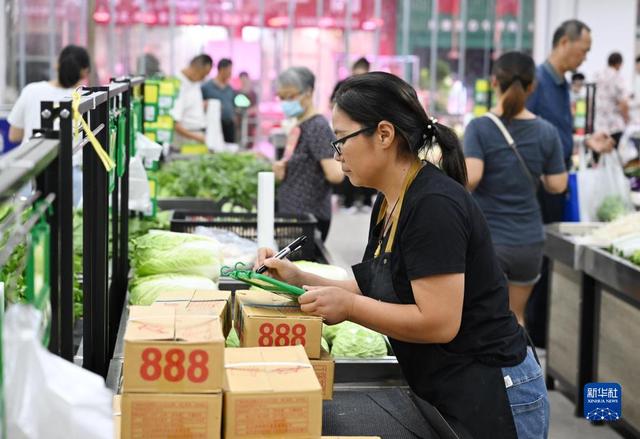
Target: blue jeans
<point>527,395</point>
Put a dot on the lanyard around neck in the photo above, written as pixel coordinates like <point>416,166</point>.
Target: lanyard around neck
<point>395,213</point>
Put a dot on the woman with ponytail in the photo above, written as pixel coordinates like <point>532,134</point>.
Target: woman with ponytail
<point>509,153</point>
<point>73,67</point>
<point>429,279</point>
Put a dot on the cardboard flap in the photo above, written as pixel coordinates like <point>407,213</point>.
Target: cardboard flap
<point>194,296</point>
<point>273,369</point>
<point>198,328</point>
<point>159,327</point>
<point>168,324</point>
<point>265,304</point>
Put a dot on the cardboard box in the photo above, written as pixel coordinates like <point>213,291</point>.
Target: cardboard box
<point>265,319</point>
<point>117,416</point>
<point>168,352</point>
<point>159,416</point>
<point>198,302</point>
<point>271,392</point>
<point>325,370</point>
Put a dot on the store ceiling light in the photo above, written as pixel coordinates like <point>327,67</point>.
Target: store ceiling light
<point>279,21</point>
<point>101,14</point>
<point>189,19</point>
<point>373,24</point>
<point>326,22</point>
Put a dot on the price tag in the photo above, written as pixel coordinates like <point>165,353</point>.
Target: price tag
<point>151,93</point>
<point>167,88</point>
<point>153,194</point>
<point>38,281</point>
<point>194,148</point>
<point>113,137</point>
<point>121,155</point>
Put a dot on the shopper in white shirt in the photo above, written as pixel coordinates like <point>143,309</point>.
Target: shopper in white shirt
<point>74,65</point>
<point>612,106</point>
<point>188,111</point>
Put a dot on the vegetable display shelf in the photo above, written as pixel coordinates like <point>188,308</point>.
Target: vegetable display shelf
<point>614,330</point>
<point>593,321</point>
<point>286,227</point>
<point>567,285</point>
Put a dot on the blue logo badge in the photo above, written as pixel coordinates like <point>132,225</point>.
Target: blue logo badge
<point>602,401</point>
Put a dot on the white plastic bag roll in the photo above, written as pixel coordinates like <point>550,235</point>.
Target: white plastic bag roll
<point>266,201</point>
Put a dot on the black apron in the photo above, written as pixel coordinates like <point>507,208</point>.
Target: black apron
<point>471,396</point>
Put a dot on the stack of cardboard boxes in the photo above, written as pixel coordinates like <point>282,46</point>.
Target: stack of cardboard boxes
<point>176,369</point>
<point>173,373</point>
<point>264,319</point>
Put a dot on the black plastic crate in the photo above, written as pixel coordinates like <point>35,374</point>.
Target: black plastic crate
<point>187,204</point>
<point>286,227</point>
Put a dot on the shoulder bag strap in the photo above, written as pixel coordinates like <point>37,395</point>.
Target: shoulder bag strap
<point>512,144</point>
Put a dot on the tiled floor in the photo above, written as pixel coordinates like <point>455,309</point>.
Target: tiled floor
<point>346,242</point>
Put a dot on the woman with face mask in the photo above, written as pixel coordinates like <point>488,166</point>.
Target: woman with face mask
<point>307,168</point>
<point>429,279</point>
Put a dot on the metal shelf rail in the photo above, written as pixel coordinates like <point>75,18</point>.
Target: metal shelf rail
<point>38,158</point>
<point>104,286</point>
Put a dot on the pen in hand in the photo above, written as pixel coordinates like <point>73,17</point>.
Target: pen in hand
<point>285,252</point>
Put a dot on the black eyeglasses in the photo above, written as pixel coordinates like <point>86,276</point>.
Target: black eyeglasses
<point>337,144</point>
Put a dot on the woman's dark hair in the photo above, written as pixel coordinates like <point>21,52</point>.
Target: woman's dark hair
<point>514,72</point>
<point>373,97</point>
<point>71,61</point>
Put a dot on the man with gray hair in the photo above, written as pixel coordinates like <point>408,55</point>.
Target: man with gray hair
<point>550,100</point>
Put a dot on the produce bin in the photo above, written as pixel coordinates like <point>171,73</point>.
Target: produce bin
<point>187,204</point>
<point>286,227</point>
<point>567,285</point>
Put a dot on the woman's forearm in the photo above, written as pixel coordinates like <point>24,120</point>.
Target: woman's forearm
<point>313,279</point>
<point>402,322</point>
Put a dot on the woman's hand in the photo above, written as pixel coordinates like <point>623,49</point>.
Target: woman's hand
<point>600,142</point>
<point>333,304</point>
<point>279,169</point>
<point>281,269</point>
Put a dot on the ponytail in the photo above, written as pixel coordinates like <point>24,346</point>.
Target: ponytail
<point>514,73</point>
<point>452,160</point>
<point>513,100</point>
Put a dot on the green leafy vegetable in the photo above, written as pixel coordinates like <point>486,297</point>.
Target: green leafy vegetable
<point>145,290</point>
<point>160,252</point>
<point>351,340</point>
<point>220,177</point>
<point>612,207</point>
<point>232,339</point>
<point>325,344</point>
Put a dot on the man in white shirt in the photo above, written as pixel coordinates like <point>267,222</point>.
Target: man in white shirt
<point>612,106</point>
<point>188,111</point>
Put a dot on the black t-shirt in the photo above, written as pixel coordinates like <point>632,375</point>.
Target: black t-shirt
<point>442,230</point>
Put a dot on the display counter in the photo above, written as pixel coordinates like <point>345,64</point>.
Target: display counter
<point>567,283</point>
<point>594,321</point>
<point>616,328</point>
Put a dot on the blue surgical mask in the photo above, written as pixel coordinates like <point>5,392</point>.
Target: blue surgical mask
<point>292,108</point>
